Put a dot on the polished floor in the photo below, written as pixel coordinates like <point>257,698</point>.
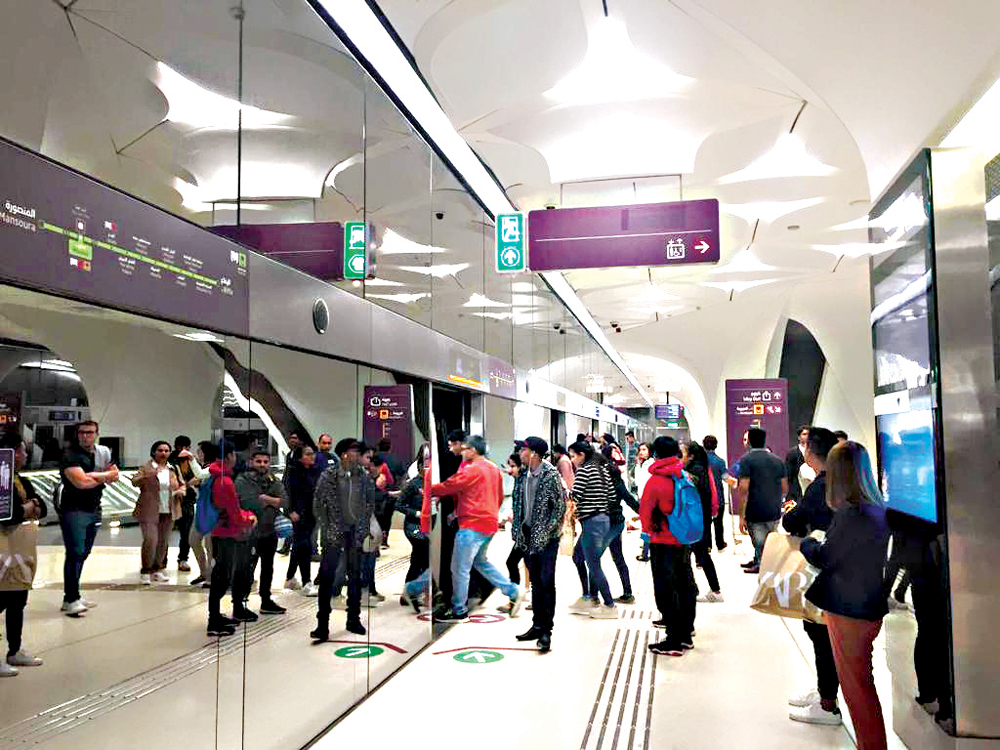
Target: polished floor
<point>139,670</point>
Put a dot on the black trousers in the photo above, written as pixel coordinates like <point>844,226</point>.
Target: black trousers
<point>328,572</point>
<point>300,558</point>
<point>13,603</point>
<point>703,556</point>
<point>184,529</point>
<point>930,650</point>
<point>827,681</point>
<point>264,548</point>
<point>420,557</point>
<point>542,569</point>
<point>720,529</point>
<point>674,589</point>
<point>231,571</point>
<point>517,554</point>
<point>385,520</point>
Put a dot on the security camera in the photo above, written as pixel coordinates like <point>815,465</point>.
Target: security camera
<point>549,206</point>
<point>614,324</point>
<point>557,326</point>
<point>439,215</point>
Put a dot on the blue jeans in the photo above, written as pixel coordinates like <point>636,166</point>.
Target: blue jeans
<point>758,534</point>
<point>593,543</point>
<point>79,529</point>
<point>418,585</point>
<point>470,552</point>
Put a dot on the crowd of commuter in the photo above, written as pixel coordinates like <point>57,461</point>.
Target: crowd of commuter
<point>232,511</point>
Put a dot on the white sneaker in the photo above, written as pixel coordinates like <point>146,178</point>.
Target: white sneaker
<point>23,659</point>
<point>310,590</point>
<point>145,579</point>
<point>88,603</point>
<point>802,700</point>
<point>159,577</point>
<point>604,612</point>
<point>73,609</point>
<point>292,584</point>
<point>816,714</point>
<point>582,606</point>
<point>711,598</point>
<point>518,601</point>
<point>6,670</point>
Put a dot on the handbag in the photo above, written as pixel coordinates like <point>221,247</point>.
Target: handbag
<point>18,556</point>
<point>373,539</point>
<point>567,535</point>
<point>785,577</point>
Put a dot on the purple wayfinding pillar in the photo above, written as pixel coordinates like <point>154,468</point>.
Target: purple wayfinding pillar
<point>761,403</point>
<point>388,413</point>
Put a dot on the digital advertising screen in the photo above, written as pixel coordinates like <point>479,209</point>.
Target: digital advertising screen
<point>903,330</point>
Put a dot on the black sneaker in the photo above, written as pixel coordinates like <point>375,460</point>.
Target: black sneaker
<point>545,643</point>
<point>722,546</point>
<point>532,634</point>
<point>219,629</point>
<point>748,564</point>
<point>355,626</point>
<point>228,621</point>
<point>271,608</point>
<point>640,558</point>
<point>625,599</point>
<point>244,615</point>
<point>664,648</point>
<point>320,634</point>
<point>452,616</point>
<point>197,581</point>
<point>662,624</point>
<point>414,602</point>
<point>687,644</point>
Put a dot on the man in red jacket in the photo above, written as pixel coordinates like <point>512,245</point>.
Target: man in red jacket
<point>673,582</point>
<point>231,547</point>
<point>478,487</point>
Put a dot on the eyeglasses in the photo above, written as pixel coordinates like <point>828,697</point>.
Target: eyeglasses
<point>86,432</point>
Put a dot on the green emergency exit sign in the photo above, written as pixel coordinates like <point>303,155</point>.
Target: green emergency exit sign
<point>511,243</point>
<point>355,250</point>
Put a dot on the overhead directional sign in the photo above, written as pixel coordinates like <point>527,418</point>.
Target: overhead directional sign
<point>355,250</point>
<point>653,234</point>
<point>511,243</point>
<point>478,656</point>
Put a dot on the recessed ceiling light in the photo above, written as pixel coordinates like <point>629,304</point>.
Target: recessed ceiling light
<point>736,286</point>
<point>397,244</point>
<point>403,299</point>
<point>613,70</point>
<point>437,271</point>
<point>203,336</point>
<point>383,282</point>
<point>478,300</point>
<point>788,158</point>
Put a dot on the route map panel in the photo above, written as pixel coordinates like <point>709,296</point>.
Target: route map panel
<point>63,232</point>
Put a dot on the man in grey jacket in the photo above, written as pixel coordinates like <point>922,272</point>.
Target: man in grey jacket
<point>262,494</point>
<point>539,504</point>
<point>345,500</point>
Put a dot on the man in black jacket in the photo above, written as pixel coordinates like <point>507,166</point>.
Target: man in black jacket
<point>816,705</point>
<point>539,506</point>
<point>793,462</point>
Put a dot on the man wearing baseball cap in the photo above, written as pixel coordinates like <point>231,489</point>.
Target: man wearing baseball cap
<point>539,506</point>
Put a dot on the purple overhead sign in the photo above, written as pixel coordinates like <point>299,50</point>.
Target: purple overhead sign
<point>652,234</point>
<point>761,402</point>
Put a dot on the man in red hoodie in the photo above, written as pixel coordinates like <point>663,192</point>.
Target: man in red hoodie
<point>673,582</point>
<point>231,546</point>
<point>478,487</point>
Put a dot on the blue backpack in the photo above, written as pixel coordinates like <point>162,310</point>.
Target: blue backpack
<point>686,521</point>
<point>206,515</point>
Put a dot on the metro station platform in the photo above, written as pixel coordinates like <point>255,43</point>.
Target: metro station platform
<point>600,687</point>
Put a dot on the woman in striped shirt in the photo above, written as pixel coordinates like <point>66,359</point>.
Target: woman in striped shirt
<point>593,493</point>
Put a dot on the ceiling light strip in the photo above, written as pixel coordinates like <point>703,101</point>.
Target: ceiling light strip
<point>359,27</point>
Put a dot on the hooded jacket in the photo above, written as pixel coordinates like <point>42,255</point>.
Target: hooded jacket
<point>659,493</point>
<point>234,522</point>
<point>547,511</point>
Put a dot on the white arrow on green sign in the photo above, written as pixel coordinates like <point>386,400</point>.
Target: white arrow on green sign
<point>355,250</point>
<point>478,657</point>
<point>358,652</point>
<point>511,243</point>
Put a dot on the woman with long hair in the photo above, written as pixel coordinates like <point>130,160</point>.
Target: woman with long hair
<point>409,502</point>
<point>643,460</point>
<point>697,467</point>
<point>850,586</point>
<point>593,493</point>
<point>161,491</point>
<point>303,474</point>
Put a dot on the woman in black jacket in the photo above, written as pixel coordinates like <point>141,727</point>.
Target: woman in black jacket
<point>410,503</point>
<point>302,476</point>
<point>697,467</point>
<point>849,586</point>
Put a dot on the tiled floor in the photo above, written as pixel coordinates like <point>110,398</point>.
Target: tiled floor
<point>595,691</point>
<point>139,671</point>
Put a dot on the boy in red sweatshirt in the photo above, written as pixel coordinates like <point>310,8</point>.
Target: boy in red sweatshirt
<point>231,543</point>
<point>673,581</point>
<point>478,487</point>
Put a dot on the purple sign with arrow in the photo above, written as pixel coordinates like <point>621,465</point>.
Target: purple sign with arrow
<point>653,234</point>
